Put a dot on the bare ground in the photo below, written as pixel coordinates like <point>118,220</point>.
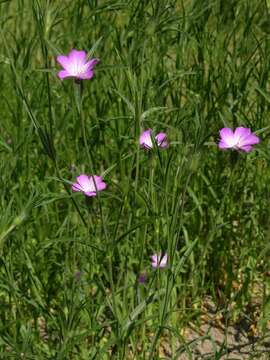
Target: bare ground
<point>214,339</point>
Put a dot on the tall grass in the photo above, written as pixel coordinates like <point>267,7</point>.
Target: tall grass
<point>69,267</point>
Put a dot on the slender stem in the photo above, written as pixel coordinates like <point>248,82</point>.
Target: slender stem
<point>78,91</point>
<point>68,192</point>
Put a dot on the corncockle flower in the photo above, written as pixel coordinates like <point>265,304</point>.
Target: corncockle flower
<point>240,139</point>
<point>89,185</point>
<point>159,260</point>
<point>142,278</point>
<point>75,65</point>
<point>146,140</point>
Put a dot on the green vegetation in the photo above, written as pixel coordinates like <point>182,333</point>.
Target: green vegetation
<point>69,265</point>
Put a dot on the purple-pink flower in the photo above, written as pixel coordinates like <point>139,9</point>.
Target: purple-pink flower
<point>142,278</point>
<point>159,260</point>
<point>146,140</point>
<point>240,139</point>
<point>89,185</point>
<point>75,65</point>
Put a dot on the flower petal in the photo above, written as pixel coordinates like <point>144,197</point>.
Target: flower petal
<point>163,261</point>
<point>77,56</point>
<point>228,137</point>
<point>90,193</point>
<point>246,148</point>
<point>97,179</point>
<point>76,187</point>
<point>84,181</point>
<point>154,261</point>
<point>226,133</point>
<point>145,139</point>
<point>102,186</point>
<point>99,183</point>
<point>242,132</point>
<point>159,260</point>
<point>63,61</point>
<point>86,75</point>
<point>91,63</point>
<point>249,140</point>
<point>223,145</point>
<point>161,139</point>
<point>63,74</point>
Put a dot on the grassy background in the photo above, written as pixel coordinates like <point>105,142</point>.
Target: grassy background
<point>69,267</point>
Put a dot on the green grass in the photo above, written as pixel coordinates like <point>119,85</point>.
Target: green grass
<point>184,67</point>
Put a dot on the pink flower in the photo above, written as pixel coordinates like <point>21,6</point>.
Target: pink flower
<point>159,260</point>
<point>241,139</point>
<point>146,141</point>
<point>75,65</point>
<point>89,185</point>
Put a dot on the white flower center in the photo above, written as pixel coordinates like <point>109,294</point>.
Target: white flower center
<point>90,186</point>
